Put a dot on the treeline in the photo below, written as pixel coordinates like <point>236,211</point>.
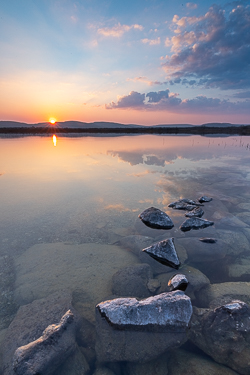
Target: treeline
<point>199,130</point>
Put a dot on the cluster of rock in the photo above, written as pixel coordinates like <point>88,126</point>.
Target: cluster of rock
<point>143,332</point>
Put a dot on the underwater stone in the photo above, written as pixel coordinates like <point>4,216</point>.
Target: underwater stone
<point>155,218</point>
<point>138,331</point>
<point>164,252</point>
<point>195,223</point>
<point>204,198</point>
<point>178,282</point>
<point>45,354</point>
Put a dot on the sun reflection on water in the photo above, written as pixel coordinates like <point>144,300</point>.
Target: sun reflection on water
<point>54,140</point>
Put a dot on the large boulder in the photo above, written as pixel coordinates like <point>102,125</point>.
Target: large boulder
<point>183,362</point>
<point>30,322</point>
<point>132,281</point>
<point>45,354</point>
<point>132,330</point>
<point>224,334</point>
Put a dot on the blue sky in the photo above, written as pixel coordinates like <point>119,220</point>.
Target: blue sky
<point>138,61</point>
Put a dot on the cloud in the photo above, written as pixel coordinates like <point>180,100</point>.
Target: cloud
<point>169,101</point>
<point>213,49</point>
<point>133,100</point>
<point>147,81</point>
<point>152,42</point>
<point>191,5</point>
<point>118,30</point>
<point>242,95</point>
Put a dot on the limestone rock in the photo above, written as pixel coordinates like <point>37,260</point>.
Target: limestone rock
<point>155,218</point>
<point>178,282</point>
<point>164,252</point>
<point>45,354</point>
<point>183,362</point>
<point>132,330</point>
<point>132,281</point>
<point>195,223</point>
<point>223,334</point>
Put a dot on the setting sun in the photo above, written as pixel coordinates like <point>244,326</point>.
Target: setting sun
<point>52,120</point>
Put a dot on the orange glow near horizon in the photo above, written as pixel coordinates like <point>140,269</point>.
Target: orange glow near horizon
<point>52,120</point>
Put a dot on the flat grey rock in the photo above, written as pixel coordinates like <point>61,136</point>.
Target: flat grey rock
<point>195,223</point>
<point>178,282</point>
<point>166,310</point>
<point>164,252</point>
<point>139,331</point>
<point>45,354</point>
<point>155,218</point>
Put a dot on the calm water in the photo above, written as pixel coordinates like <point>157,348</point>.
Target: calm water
<point>69,215</point>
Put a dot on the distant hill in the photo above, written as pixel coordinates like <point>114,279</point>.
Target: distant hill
<point>67,124</point>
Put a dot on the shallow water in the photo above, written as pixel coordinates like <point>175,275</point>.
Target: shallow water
<point>67,209</point>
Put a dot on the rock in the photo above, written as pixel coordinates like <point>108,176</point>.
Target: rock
<point>103,371</point>
<point>214,295</point>
<point>244,206</point>
<point>196,212</point>
<point>204,198</point>
<point>204,252</point>
<point>30,322</point>
<point>184,204</point>
<point>195,223</point>
<point>237,241</point>
<point>158,366</point>
<point>155,218</point>
<point>197,281</point>
<point>245,217</point>
<point>183,362</point>
<point>132,281</point>
<point>138,331</point>
<point>45,354</point>
<point>153,285</point>
<point>224,220</point>
<point>86,334</point>
<point>178,282</point>
<point>164,252</point>
<point>224,334</point>
<point>75,364</point>
<point>240,269</point>
<point>208,240</point>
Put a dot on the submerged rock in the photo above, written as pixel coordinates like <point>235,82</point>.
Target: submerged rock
<point>195,223</point>
<point>164,251</point>
<point>155,218</point>
<point>132,281</point>
<point>199,251</point>
<point>183,362</point>
<point>196,212</point>
<point>204,198</point>
<point>132,330</point>
<point>45,354</point>
<point>224,334</point>
<point>178,282</point>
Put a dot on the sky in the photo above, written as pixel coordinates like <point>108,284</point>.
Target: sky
<point>136,62</point>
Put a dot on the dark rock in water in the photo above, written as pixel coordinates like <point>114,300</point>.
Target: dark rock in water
<point>184,204</point>
<point>132,330</point>
<point>208,240</point>
<point>204,198</point>
<point>180,201</point>
<point>178,282</point>
<point>224,334</point>
<point>155,218</point>
<point>195,223</point>
<point>45,354</point>
<point>164,251</point>
<point>132,281</point>
<point>30,322</point>
<point>196,212</point>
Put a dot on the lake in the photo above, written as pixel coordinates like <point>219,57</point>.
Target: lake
<point>69,223</point>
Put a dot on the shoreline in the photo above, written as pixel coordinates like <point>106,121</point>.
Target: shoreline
<point>192,130</point>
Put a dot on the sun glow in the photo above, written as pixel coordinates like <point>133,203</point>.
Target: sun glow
<point>54,139</point>
<point>52,120</point>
